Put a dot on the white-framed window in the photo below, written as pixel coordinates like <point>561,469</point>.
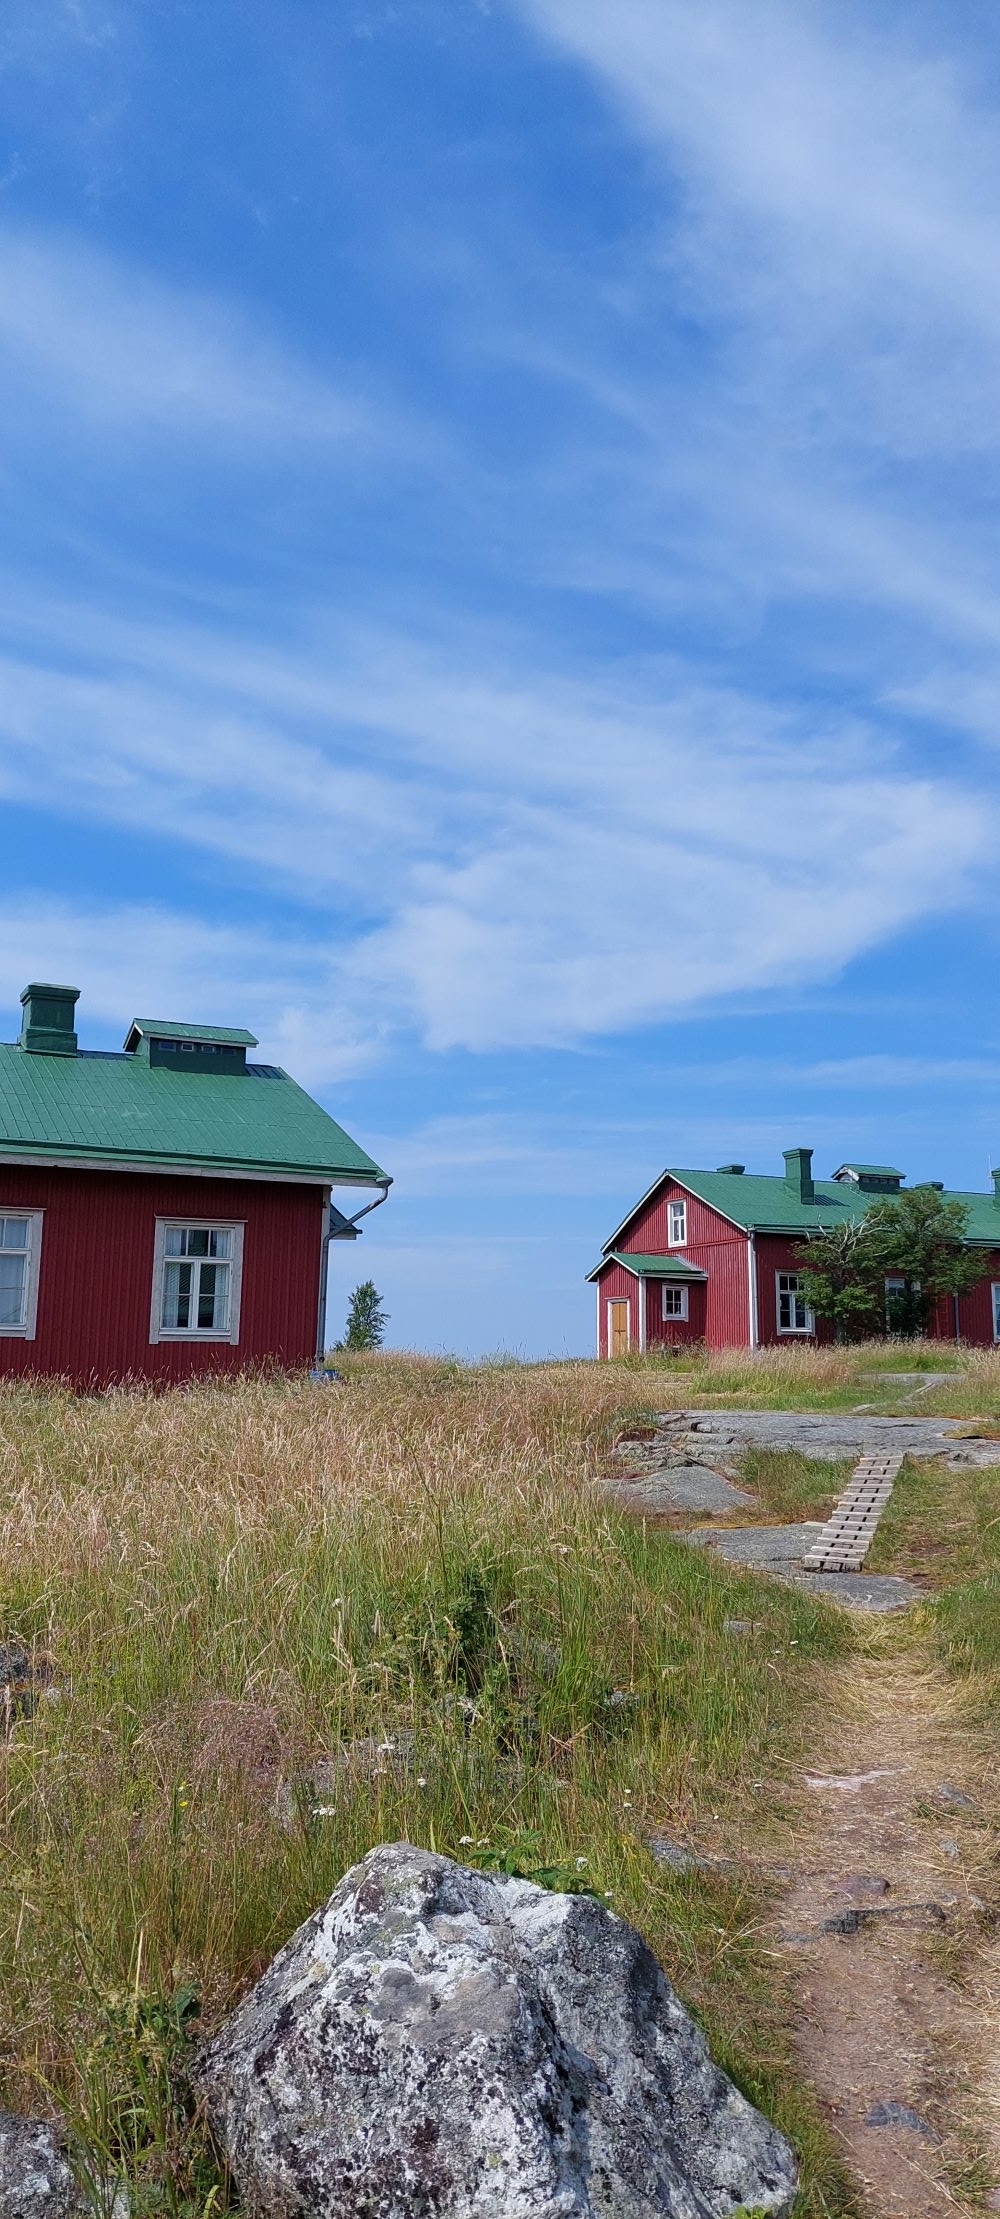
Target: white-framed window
<point>20,1255</point>
<point>995,1291</point>
<point>794,1315</point>
<point>197,1280</point>
<point>677,1224</point>
<point>674,1302</point>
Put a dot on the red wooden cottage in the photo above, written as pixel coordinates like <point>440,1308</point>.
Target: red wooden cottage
<point>165,1210</point>
<point>711,1256</point>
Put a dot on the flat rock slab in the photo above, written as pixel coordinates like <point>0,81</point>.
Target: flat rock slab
<point>765,1546</point>
<point>780,1551</point>
<point>859,1590</point>
<point>683,1487</point>
<point>827,1434</point>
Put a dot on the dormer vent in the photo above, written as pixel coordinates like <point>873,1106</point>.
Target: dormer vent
<point>48,1022</point>
<point>872,1178</point>
<point>219,1049</point>
<point>735,1170</point>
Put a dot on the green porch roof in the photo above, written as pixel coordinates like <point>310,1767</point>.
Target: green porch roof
<point>760,1202</point>
<point>122,1109</point>
<point>650,1267</point>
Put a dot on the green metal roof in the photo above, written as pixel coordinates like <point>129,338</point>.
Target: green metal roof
<point>763,1203</point>
<point>650,1267</point>
<point>161,1028</point>
<point>122,1109</point>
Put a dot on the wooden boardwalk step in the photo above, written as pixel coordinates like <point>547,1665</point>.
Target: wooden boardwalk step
<point>850,1529</point>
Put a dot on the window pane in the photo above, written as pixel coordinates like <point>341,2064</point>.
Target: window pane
<point>173,1240</point>
<point>12,1283</point>
<point>176,1297</point>
<point>197,1242</point>
<point>220,1244</point>
<point>213,1298</point>
<point>13,1232</point>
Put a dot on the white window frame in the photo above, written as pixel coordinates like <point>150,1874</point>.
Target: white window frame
<point>160,1332</point>
<point>677,1210</point>
<point>613,1298</point>
<point>995,1292</point>
<point>678,1316</point>
<point>26,1330</point>
<point>791,1332</point>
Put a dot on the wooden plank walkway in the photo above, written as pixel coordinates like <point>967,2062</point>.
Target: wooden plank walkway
<point>850,1529</point>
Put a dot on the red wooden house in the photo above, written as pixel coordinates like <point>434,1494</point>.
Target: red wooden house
<point>713,1256</point>
<point>163,1211</point>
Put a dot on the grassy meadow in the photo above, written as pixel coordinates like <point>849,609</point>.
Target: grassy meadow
<point>273,1624</point>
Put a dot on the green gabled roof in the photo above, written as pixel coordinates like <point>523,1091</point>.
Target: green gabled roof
<point>122,1109</point>
<point>161,1028</point>
<point>650,1267</point>
<point>760,1202</point>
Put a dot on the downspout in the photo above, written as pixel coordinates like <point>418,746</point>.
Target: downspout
<point>752,1274</point>
<point>324,1258</point>
<point>641,1284</point>
<point>324,1264</point>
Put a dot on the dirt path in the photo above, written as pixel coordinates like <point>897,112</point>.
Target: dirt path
<point>903,2010</point>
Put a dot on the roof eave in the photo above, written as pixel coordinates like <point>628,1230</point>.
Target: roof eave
<point>51,1158</point>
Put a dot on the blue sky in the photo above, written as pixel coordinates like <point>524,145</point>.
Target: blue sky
<point>498,586</point>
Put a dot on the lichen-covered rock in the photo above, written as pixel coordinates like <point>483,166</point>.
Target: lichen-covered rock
<point>35,2179</point>
<point>436,2043</point>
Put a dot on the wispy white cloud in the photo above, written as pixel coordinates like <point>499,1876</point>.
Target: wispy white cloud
<point>104,343</point>
<point>523,862</point>
<point>134,959</point>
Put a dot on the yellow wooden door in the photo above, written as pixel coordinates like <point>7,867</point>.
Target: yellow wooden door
<point>619,1328</point>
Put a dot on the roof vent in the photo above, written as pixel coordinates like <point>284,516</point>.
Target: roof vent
<point>736,1170</point>
<point>219,1049</point>
<point>874,1178</point>
<point>47,1023</point>
<point>798,1173</point>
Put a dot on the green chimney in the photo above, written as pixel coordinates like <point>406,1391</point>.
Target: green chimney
<point>47,1026</point>
<point>798,1173</point>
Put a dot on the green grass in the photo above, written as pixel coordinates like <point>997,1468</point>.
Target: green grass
<point>234,1582</point>
<point>794,1377</point>
<point>793,1487</point>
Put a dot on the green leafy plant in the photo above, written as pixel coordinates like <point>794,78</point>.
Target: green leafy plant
<point>890,1267</point>
<point>366,1319</point>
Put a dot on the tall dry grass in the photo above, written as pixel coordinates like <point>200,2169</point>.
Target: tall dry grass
<point>273,1624</point>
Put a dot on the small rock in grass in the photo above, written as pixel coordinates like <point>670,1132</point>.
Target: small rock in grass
<point>743,1625</point>
<point>673,1853</point>
<point>893,2114</point>
<point>23,1677</point>
<point>436,2039</point>
<point>36,2179</point>
<point>858,1885</point>
<point>949,1794</point>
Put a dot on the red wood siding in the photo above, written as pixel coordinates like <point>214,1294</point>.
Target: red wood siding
<point>96,1276</point>
<point>776,1252</point>
<point>975,1310</point>
<point>722,1307</point>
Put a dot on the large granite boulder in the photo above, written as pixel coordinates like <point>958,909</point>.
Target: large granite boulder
<point>436,2043</point>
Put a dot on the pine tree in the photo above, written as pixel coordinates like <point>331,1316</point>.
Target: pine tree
<point>366,1319</point>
